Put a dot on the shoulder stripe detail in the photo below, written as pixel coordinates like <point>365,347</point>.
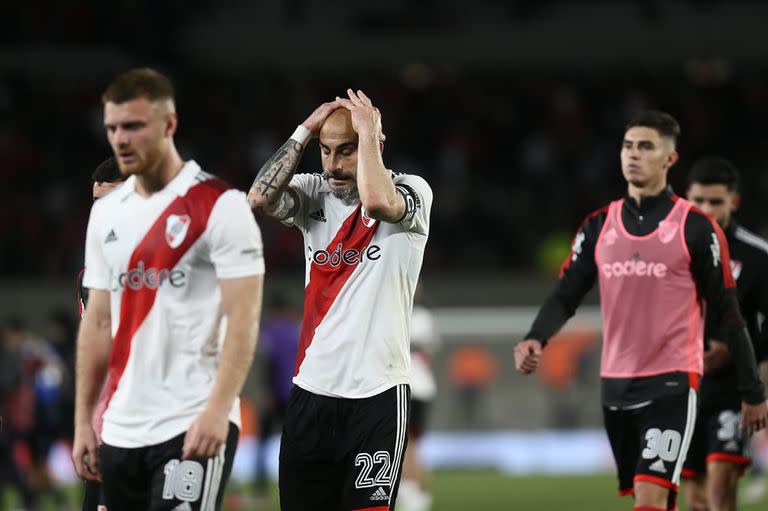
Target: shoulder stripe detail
<point>751,239</point>
<point>567,263</point>
<point>725,253</point>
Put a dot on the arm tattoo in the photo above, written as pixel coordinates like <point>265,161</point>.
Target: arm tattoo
<point>274,176</point>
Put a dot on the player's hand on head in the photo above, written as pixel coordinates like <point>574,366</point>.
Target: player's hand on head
<point>85,454</point>
<point>527,356</point>
<point>316,119</point>
<point>206,435</point>
<point>754,417</point>
<point>366,118</point>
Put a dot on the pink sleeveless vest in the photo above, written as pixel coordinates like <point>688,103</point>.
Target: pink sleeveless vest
<point>653,322</point>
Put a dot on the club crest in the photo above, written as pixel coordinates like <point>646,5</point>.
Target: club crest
<point>367,221</point>
<point>176,227</point>
<point>667,231</point>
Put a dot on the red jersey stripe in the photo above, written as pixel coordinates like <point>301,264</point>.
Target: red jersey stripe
<point>155,252</point>
<point>327,280</point>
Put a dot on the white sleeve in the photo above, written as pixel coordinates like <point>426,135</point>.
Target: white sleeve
<point>234,238</point>
<point>97,273</point>
<point>305,186</point>
<point>418,202</point>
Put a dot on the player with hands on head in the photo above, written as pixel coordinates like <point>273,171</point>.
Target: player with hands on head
<point>365,229</point>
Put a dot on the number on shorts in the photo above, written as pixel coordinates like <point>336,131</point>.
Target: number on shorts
<point>729,426</point>
<point>183,480</point>
<point>382,476</point>
<point>665,445</point>
<point>364,479</point>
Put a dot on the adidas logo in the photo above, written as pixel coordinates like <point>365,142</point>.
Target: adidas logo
<point>111,236</point>
<point>318,215</point>
<point>380,494</point>
<point>658,466</point>
<point>732,446</point>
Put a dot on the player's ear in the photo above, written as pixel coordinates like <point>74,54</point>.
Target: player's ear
<point>672,158</point>
<point>171,123</point>
<point>736,202</point>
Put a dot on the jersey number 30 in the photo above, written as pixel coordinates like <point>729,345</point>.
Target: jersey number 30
<point>665,445</point>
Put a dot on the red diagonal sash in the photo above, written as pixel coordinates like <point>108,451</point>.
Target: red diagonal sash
<point>326,281</point>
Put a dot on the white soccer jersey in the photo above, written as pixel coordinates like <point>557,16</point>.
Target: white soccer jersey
<point>360,279</point>
<point>425,339</point>
<point>160,258</point>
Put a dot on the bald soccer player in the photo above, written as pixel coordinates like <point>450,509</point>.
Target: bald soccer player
<point>365,229</point>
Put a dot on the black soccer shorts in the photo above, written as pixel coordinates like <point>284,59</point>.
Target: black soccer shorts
<point>343,454</point>
<point>718,437</point>
<point>155,478</point>
<point>93,499</point>
<point>650,441</point>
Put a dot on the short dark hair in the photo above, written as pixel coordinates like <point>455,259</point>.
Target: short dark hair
<point>107,172</point>
<point>138,83</point>
<point>714,170</point>
<point>665,124</point>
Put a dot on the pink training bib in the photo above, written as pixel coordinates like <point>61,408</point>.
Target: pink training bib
<point>653,320</point>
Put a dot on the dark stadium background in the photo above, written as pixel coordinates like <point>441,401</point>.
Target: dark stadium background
<point>512,110</point>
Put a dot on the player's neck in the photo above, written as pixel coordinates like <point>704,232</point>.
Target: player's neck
<point>651,190</point>
<point>156,178</point>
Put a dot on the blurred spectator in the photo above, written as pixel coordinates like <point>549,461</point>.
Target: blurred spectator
<point>278,344</point>
<point>17,409</point>
<point>473,369</point>
<point>561,369</point>
<point>414,494</point>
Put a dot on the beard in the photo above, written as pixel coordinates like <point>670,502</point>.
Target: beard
<point>348,194</point>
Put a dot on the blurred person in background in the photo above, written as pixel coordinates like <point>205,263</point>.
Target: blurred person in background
<point>719,452</point>
<point>54,401</point>
<point>365,230</point>
<point>17,409</point>
<point>414,493</point>
<point>473,370</point>
<point>174,268</point>
<point>43,410</point>
<point>658,260</point>
<point>278,345</point>
<point>104,179</point>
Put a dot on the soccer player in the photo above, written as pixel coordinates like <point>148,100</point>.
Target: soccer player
<point>104,179</point>
<point>365,229</point>
<point>719,452</point>
<point>414,493</point>
<point>174,268</point>
<point>658,260</point>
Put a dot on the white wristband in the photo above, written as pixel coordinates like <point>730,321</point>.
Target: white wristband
<point>301,135</point>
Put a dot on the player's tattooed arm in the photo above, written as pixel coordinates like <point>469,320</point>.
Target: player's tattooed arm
<point>270,195</point>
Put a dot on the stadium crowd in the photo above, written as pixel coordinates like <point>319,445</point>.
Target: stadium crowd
<point>511,157</point>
